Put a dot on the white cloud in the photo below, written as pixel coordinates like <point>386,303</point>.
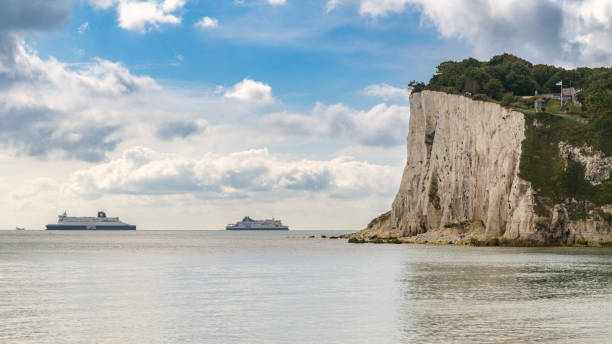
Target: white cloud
<point>173,5</point>
<point>143,15</point>
<point>83,28</point>
<point>387,92</point>
<point>47,107</point>
<point>103,4</point>
<point>251,91</point>
<point>34,188</point>
<point>141,171</point>
<point>170,130</point>
<point>567,32</point>
<point>277,2</point>
<point>382,125</point>
<point>101,77</point>
<point>207,23</point>
<point>86,111</point>
<point>373,8</point>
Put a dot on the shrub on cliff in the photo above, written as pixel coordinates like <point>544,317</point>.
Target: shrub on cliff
<point>416,86</point>
<point>507,99</point>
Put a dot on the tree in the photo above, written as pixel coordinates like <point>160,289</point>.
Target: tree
<point>597,98</point>
<point>542,73</point>
<point>416,86</point>
<point>507,99</point>
<point>507,59</point>
<point>494,88</point>
<point>519,80</point>
<point>470,85</point>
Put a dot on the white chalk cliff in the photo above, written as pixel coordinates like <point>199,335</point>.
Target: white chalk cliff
<point>462,181</point>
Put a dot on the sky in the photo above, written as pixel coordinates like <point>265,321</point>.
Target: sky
<point>190,114</point>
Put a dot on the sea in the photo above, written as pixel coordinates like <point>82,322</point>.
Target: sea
<point>294,287</point>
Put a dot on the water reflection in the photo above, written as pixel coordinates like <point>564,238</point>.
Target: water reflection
<point>493,295</point>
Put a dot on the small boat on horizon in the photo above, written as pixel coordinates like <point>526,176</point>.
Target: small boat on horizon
<point>19,229</point>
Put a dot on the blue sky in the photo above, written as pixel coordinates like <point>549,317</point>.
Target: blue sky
<point>297,48</point>
<point>189,114</point>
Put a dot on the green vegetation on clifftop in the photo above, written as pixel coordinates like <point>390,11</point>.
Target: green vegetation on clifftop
<point>505,77</point>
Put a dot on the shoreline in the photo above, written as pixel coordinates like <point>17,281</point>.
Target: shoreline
<point>493,242</point>
<point>461,236</point>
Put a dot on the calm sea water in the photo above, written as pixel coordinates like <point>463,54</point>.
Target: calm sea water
<point>266,287</point>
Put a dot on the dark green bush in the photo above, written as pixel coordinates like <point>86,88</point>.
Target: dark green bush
<point>507,99</point>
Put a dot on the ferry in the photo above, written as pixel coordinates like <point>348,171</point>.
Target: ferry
<point>100,222</point>
<point>248,224</point>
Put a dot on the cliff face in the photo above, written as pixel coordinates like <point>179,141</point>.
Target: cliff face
<point>462,180</point>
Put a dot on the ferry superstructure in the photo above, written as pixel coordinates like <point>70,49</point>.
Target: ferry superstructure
<point>248,224</point>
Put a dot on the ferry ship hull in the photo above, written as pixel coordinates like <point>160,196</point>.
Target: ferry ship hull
<point>258,229</point>
<point>90,228</point>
